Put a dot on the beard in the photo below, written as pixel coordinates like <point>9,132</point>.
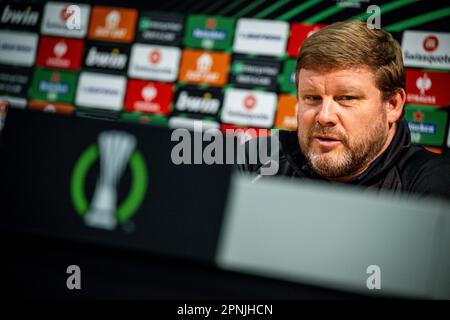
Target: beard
<point>351,157</point>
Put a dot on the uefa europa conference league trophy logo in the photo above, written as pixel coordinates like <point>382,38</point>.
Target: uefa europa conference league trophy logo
<point>115,150</point>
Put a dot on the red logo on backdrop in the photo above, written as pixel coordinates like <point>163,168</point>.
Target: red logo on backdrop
<point>55,77</point>
<point>430,43</point>
<point>427,87</point>
<point>211,23</point>
<point>299,32</point>
<point>155,56</point>
<point>249,102</point>
<point>418,116</point>
<point>60,53</point>
<point>64,14</point>
<point>148,96</point>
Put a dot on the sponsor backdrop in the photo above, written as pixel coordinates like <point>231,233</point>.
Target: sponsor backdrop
<point>229,63</point>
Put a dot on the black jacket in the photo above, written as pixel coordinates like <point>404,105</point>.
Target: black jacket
<point>401,168</point>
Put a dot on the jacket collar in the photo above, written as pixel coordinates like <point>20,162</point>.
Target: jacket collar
<point>399,144</point>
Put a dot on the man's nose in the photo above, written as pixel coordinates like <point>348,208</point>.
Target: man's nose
<point>326,114</point>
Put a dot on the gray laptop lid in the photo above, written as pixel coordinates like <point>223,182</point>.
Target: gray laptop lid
<point>337,237</point>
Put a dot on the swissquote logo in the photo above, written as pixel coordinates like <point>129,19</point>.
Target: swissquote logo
<point>19,16</point>
<point>155,56</point>
<point>65,19</point>
<point>430,43</point>
<point>106,57</point>
<point>426,49</point>
<point>249,108</point>
<point>115,150</point>
<point>154,62</point>
<point>427,87</point>
<point>249,102</point>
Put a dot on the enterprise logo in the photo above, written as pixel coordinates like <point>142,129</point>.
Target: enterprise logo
<point>262,37</point>
<point>258,36</point>
<point>102,91</point>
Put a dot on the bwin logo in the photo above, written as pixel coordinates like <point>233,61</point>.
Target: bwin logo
<point>27,17</point>
<point>115,150</point>
<point>112,60</point>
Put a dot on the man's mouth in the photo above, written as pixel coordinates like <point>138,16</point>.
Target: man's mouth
<point>327,141</point>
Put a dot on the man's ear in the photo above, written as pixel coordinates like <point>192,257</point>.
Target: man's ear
<point>395,105</point>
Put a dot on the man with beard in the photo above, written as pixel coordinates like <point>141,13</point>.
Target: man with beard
<point>351,95</point>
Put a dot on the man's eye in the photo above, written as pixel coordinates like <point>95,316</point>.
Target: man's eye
<point>312,98</point>
<point>347,98</point>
